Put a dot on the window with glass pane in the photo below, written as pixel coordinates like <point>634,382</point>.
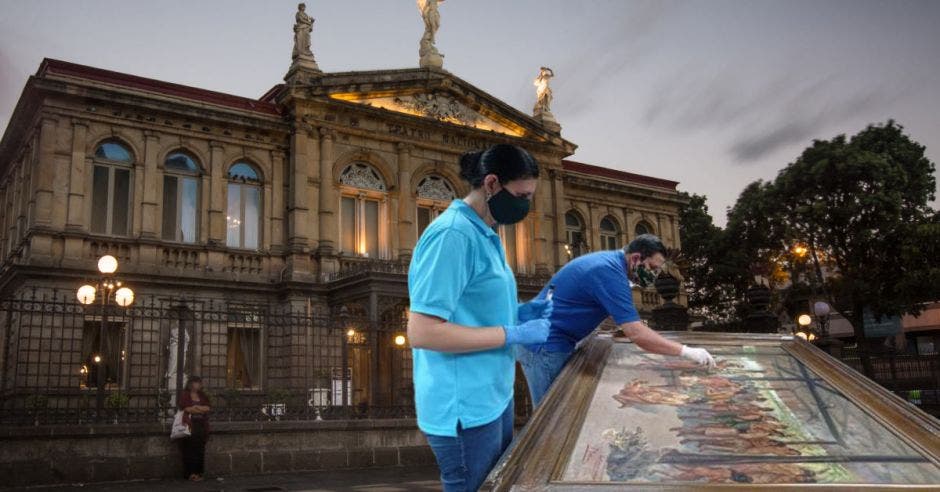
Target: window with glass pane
<point>99,354</point>
<point>424,219</point>
<point>371,228</point>
<point>243,217</point>
<point>348,225</point>
<point>243,358</point>
<point>574,234</point>
<point>610,234</point>
<point>180,195</point>
<point>111,190</point>
<point>642,228</point>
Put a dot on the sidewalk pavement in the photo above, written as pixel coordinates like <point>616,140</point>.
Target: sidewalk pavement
<point>369,480</point>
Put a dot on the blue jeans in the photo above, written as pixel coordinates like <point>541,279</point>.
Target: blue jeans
<point>465,460</point>
<point>541,368</point>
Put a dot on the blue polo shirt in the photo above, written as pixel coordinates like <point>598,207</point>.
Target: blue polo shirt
<point>459,273</point>
<point>587,289</point>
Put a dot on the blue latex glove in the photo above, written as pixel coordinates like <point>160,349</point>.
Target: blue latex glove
<point>539,308</point>
<point>530,332</point>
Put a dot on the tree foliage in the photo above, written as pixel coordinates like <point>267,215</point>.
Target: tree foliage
<point>859,205</point>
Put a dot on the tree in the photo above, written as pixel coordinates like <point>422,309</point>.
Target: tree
<point>859,202</point>
<point>709,295</point>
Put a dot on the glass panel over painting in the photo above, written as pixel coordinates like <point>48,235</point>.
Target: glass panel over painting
<point>761,417</point>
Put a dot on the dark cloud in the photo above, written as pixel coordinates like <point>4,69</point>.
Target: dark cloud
<point>808,121</point>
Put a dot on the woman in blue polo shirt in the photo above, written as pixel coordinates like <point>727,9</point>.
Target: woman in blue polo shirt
<point>465,318</point>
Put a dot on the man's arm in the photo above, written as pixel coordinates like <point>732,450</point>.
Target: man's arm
<point>647,339</point>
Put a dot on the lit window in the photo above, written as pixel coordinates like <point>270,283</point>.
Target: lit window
<point>180,198</point>
<point>243,217</point>
<point>362,212</point>
<point>243,354</point>
<point>97,356</point>
<point>111,189</point>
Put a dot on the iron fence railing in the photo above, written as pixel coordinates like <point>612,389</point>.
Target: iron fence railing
<point>258,361</point>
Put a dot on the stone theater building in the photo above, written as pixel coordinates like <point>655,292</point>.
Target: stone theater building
<point>305,203</point>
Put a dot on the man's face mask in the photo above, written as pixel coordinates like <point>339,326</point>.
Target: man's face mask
<point>644,276</point>
<point>507,208</point>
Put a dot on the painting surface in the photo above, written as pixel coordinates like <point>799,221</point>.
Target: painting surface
<point>760,417</point>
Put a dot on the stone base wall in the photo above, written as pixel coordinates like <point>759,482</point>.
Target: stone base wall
<point>83,454</point>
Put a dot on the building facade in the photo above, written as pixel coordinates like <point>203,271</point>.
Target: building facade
<point>271,235</point>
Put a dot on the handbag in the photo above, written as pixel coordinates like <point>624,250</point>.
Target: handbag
<point>180,429</point>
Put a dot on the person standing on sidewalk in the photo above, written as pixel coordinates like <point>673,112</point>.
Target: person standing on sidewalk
<point>195,406</point>
<point>465,319</point>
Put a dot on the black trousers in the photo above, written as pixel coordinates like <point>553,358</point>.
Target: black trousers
<point>193,449</point>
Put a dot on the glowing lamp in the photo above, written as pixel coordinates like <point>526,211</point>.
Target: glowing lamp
<point>400,340</point>
<point>107,264</point>
<point>86,294</point>
<point>124,297</point>
<point>804,320</point>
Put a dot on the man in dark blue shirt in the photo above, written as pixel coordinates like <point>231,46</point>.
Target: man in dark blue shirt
<point>587,290</point>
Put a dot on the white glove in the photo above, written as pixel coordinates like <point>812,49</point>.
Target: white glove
<point>698,355</point>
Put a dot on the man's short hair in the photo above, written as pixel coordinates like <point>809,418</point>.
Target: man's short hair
<point>647,245</point>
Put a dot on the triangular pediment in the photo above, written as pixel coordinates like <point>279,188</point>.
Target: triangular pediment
<point>441,105</point>
<point>435,95</point>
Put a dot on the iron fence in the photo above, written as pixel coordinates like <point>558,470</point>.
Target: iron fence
<point>258,361</point>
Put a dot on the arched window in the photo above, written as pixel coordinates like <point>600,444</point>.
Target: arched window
<point>363,227</point>
<point>243,218</point>
<point>610,233</point>
<point>434,196</point>
<point>111,185</point>
<point>180,198</point>
<point>643,228</point>
<point>574,234</point>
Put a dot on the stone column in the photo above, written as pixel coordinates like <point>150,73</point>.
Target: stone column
<point>148,219</point>
<point>406,204</point>
<point>43,175</point>
<point>593,228</point>
<point>542,224</point>
<point>297,191</point>
<point>217,204</point>
<point>76,201</point>
<point>561,206</point>
<point>328,204</point>
<point>278,207</point>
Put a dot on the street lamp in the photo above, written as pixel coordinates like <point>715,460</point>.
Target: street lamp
<point>805,332</point>
<point>123,296</point>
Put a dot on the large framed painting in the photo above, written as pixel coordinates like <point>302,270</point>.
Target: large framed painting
<point>776,413</point>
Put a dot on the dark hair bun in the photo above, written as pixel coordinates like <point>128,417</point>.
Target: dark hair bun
<point>470,165</point>
<point>507,162</point>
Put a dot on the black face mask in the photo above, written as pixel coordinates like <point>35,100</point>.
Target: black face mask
<point>507,208</point>
<point>642,276</point>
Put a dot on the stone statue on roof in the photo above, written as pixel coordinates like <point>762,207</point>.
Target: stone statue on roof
<point>543,99</point>
<point>429,56</point>
<point>302,56</point>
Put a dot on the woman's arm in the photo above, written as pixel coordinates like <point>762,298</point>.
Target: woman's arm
<point>433,333</point>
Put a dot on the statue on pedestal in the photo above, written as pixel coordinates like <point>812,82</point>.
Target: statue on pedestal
<point>429,56</point>
<point>302,57</point>
<point>543,99</point>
